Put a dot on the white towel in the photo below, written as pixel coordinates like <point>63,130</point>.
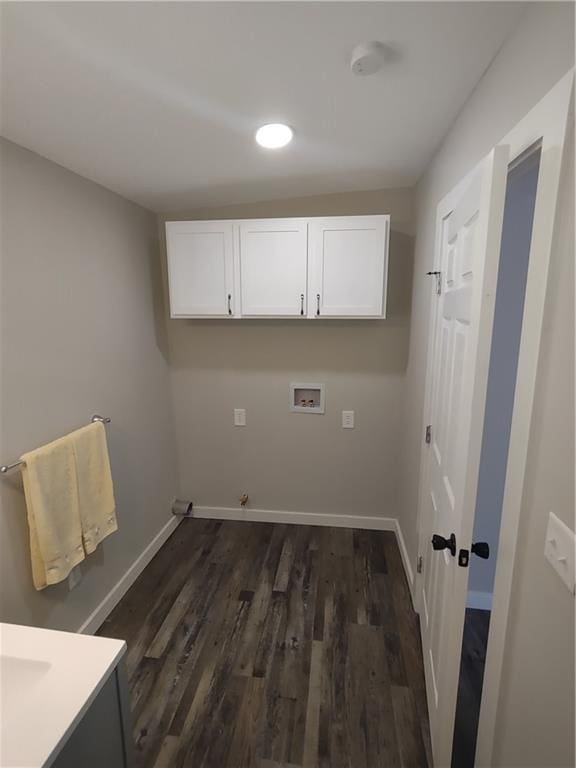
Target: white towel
<point>70,501</point>
<point>95,489</point>
<point>51,490</point>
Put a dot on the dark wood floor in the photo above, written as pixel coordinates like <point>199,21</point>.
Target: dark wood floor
<point>473,660</point>
<point>257,645</point>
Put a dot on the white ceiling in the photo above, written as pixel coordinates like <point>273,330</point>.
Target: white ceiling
<point>159,101</point>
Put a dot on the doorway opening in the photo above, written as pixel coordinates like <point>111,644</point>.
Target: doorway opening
<point>521,186</point>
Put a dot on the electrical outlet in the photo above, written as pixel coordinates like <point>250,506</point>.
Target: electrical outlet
<point>560,550</point>
<point>239,417</point>
<point>347,419</point>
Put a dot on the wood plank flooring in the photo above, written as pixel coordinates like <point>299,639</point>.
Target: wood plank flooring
<point>472,662</point>
<point>254,645</point>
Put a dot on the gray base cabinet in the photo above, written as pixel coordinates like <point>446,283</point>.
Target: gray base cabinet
<point>103,735</point>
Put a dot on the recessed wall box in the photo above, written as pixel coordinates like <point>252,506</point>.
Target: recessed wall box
<point>306,398</point>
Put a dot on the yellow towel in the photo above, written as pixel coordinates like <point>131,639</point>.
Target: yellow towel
<point>95,489</point>
<point>51,490</point>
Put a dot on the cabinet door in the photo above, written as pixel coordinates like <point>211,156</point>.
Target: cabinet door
<point>348,266</point>
<point>200,268</point>
<point>101,737</point>
<point>273,267</point>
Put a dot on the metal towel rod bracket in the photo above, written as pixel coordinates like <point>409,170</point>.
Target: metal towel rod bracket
<point>7,467</point>
<point>103,419</point>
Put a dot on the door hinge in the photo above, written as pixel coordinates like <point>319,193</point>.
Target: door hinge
<point>419,563</point>
<point>428,437</point>
<point>438,275</point>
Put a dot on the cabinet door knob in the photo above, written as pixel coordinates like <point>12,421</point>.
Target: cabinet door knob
<point>301,304</point>
<point>229,303</point>
<point>317,304</point>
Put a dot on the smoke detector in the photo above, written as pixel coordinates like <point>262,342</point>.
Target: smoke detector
<point>367,58</point>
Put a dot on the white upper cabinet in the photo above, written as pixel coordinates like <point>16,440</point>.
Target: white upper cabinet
<point>273,267</point>
<point>302,268</point>
<point>201,268</point>
<point>348,260</point>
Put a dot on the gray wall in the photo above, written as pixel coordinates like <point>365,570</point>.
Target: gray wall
<point>81,332</point>
<point>537,693</point>
<point>287,461</point>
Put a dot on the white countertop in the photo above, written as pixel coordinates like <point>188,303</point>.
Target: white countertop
<point>48,679</point>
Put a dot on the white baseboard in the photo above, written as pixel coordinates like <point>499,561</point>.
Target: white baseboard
<point>481,600</point>
<point>296,518</point>
<point>367,522</point>
<point>405,559</point>
<point>97,617</point>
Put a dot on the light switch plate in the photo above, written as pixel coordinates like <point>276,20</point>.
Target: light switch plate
<point>347,419</point>
<point>239,417</point>
<point>560,550</point>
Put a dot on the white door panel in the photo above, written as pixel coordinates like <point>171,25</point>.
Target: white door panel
<point>200,268</point>
<point>348,266</point>
<point>273,267</point>
<point>467,257</point>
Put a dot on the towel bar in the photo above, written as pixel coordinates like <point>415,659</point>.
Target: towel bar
<point>7,467</point>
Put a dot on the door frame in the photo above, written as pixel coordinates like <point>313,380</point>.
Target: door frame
<point>545,125</point>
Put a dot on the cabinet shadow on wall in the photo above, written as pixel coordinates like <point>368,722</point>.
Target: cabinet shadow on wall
<point>156,256</point>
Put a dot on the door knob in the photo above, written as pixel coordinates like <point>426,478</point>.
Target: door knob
<point>481,549</point>
<point>440,542</point>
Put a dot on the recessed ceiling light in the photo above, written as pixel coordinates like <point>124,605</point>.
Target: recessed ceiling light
<point>274,135</point>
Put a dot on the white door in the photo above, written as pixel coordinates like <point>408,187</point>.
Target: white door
<point>467,251</point>
<point>348,266</point>
<point>273,267</point>
<point>200,268</point>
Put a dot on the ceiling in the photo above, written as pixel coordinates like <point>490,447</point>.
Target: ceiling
<point>159,101</point>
